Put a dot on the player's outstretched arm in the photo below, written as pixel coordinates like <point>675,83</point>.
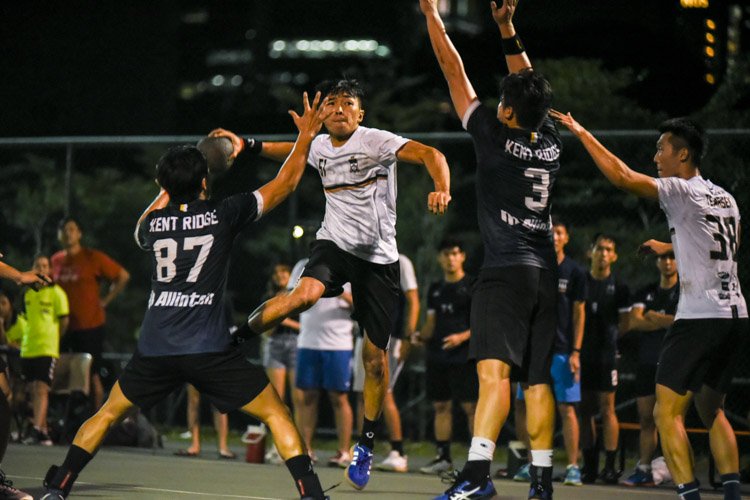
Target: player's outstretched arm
<point>31,278</point>
<point>437,166</point>
<point>611,166</point>
<point>515,53</point>
<point>653,247</point>
<point>286,180</point>
<point>278,151</point>
<point>161,201</point>
<point>462,92</point>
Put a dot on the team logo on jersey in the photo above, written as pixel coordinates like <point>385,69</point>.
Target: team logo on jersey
<point>183,208</point>
<point>179,299</point>
<point>610,289</point>
<point>562,285</point>
<point>353,164</point>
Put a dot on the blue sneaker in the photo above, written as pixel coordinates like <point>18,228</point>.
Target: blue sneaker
<point>539,492</point>
<point>640,477</point>
<point>523,475</point>
<point>358,472</point>
<point>464,490</point>
<point>573,476</point>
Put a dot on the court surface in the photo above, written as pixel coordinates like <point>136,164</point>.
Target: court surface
<point>130,474</point>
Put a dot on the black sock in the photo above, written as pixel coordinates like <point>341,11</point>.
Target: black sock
<point>591,460</point>
<point>689,491</point>
<point>541,475</point>
<point>476,471</point>
<point>444,450</point>
<point>301,469</point>
<point>368,434</point>
<point>397,446</point>
<point>731,484</point>
<point>609,463</point>
<point>76,459</point>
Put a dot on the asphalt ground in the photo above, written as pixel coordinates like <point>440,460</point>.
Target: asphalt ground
<point>133,473</point>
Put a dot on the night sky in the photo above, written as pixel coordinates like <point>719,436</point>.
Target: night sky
<point>115,68</point>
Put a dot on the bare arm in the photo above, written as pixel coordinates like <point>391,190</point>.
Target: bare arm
<point>161,201</point>
<point>503,16</point>
<point>63,322</point>
<point>624,324</point>
<point>613,168</point>
<point>437,167</point>
<point>116,287</point>
<point>659,320</point>
<point>31,278</point>
<point>654,247</point>
<point>579,321</point>
<point>462,92</point>
<point>456,339</point>
<point>428,327</point>
<point>412,312</point>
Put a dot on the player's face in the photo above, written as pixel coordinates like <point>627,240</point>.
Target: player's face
<point>451,260</point>
<point>561,237</point>
<point>346,117</point>
<point>667,158</point>
<point>667,265</point>
<point>604,254</point>
<point>280,276</point>
<point>41,265</point>
<point>70,234</point>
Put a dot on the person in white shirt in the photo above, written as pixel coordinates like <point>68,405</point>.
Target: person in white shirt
<point>701,350</point>
<point>357,240</point>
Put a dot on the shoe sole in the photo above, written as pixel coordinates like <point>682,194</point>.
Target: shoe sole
<point>573,483</point>
<point>638,485</point>
<point>390,469</point>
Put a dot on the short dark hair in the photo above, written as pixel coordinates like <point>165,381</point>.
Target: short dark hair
<point>345,85</point>
<point>686,134</point>
<point>180,171</point>
<point>559,221</point>
<point>65,220</point>
<point>39,255</point>
<point>450,242</point>
<point>530,96</point>
<point>604,236</point>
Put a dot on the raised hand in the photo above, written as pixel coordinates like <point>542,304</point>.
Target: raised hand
<point>503,15</point>
<point>312,117</point>
<point>237,143</point>
<point>429,6</point>
<point>437,202</point>
<point>653,247</point>
<point>568,121</point>
<point>35,280</point>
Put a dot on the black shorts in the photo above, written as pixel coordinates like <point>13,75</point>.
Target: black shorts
<point>645,381</point>
<point>227,379</point>
<point>375,287</point>
<point>699,352</point>
<point>41,368</point>
<point>514,319</point>
<point>452,381</point>
<point>598,376</point>
<point>90,341</point>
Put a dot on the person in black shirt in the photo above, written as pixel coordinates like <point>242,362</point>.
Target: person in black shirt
<point>184,336</point>
<point>514,306</point>
<point>450,375</point>
<point>651,314</point>
<point>607,312</point>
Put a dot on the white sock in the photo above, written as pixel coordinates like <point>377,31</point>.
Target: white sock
<point>481,449</point>
<point>541,458</point>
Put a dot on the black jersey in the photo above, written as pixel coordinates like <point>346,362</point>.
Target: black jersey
<point>190,246</point>
<point>572,286</point>
<point>606,300</point>
<point>662,300</point>
<point>451,304</point>
<point>516,170</point>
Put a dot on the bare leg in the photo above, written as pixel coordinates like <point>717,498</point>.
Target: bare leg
<point>519,413</point>
<point>193,418</point>
<point>648,437</point>
<point>221,424</point>
<point>269,408</point>
<point>94,430</point>
<point>443,420</point>
<point>493,404</point>
<point>98,391</point>
<point>710,405</point>
<point>342,411</point>
<point>273,311</point>
<point>306,415</point>
<point>41,401</point>
<point>669,415</point>
<point>392,417</point>
<point>469,410</point>
<point>277,376</point>
<point>540,417</point>
<point>610,424</point>
<point>570,430</point>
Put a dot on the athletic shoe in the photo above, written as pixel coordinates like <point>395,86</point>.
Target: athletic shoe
<point>37,436</point>
<point>589,477</point>
<point>358,472</point>
<point>539,492</point>
<point>610,476</point>
<point>272,456</point>
<point>464,490</point>
<point>394,462</point>
<point>186,435</point>
<point>639,477</point>
<point>8,492</point>
<point>523,475</point>
<point>573,476</point>
<point>341,459</point>
<point>51,494</point>
<point>437,466</point>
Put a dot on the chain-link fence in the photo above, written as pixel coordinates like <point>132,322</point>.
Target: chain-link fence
<point>107,182</point>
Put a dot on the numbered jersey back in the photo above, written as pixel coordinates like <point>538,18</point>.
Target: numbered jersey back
<point>704,224</point>
<point>190,246</point>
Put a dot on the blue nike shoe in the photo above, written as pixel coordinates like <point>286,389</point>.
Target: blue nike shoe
<point>358,472</point>
<point>464,490</point>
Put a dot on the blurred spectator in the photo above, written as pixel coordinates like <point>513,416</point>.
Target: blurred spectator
<point>79,271</point>
<point>221,423</point>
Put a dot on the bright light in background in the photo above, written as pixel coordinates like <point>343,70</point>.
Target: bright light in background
<point>298,232</point>
<point>315,49</point>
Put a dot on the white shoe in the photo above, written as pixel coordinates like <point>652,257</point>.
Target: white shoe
<point>394,462</point>
<point>186,435</point>
<point>437,466</point>
<point>273,457</point>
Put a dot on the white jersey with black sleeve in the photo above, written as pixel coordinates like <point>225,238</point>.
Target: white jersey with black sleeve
<point>704,226</point>
<point>359,180</point>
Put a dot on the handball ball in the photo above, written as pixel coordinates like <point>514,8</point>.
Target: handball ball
<point>218,152</point>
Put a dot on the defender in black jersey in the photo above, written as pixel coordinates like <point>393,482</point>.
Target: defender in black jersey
<point>184,336</point>
<point>651,314</point>
<point>514,306</point>
<point>607,312</point>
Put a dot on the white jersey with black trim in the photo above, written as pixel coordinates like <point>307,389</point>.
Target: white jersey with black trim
<point>704,226</point>
<point>359,180</point>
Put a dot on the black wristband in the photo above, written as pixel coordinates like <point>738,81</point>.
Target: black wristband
<point>513,46</point>
<point>575,349</point>
<point>253,145</point>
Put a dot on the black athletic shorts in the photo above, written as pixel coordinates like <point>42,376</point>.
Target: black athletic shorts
<point>514,318</point>
<point>227,379</point>
<point>90,341</point>
<point>452,381</point>
<point>598,376</point>
<point>645,381</point>
<point>699,352</point>
<point>375,287</point>
<point>41,368</point>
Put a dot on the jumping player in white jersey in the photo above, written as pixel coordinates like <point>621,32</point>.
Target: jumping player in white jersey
<point>357,240</point>
<point>701,350</point>
<point>184,336</point>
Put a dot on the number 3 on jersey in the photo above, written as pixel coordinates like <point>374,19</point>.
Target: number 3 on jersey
<point>540,187</point>
<point>165,252</point>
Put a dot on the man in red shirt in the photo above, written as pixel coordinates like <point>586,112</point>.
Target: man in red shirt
<point>79,271</point>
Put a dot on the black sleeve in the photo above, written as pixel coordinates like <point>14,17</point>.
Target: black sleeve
<point>241,210</point>
<point>484,127</point>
